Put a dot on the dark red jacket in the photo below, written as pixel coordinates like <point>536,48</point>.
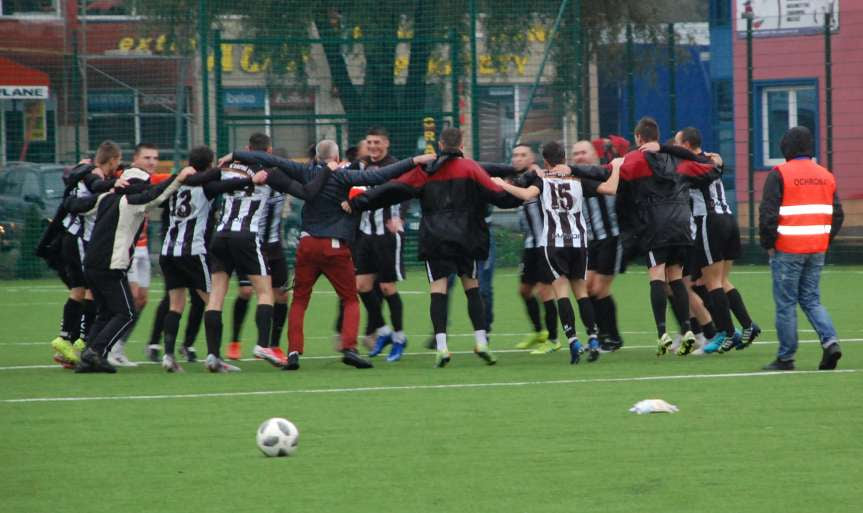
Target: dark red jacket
<point>453,195</point>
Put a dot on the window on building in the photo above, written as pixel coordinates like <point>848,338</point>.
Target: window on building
<point>783,107</point>
<point>111,116</point>
<point>27,7</point>
<point>105,7</point>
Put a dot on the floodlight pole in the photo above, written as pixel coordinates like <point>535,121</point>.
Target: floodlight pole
<point>750,104</point>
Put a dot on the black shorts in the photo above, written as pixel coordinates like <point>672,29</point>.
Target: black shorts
<point>668,255</point>
<point>691,267</point>
<point>722,240</point>
<point>185,272</point>
<point>464,267</point>
<point>240,254</point>
<point>531,265</point>
<point>72,274</point>
<point>606,256</point>
<point>569,262</point>
<point>277,267</point>
<point>382,255</point>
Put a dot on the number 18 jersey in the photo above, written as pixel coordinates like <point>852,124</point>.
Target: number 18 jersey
<point>189,209</point>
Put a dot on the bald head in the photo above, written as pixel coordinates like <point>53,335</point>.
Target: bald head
<point>583,152</point>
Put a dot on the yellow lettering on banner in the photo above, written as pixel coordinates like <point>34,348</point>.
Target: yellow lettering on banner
<point>405,33</point>
<point>144,44</point>
<point>126,44</point>
<point>520,63</point>
<point>227,58</point>
<point>486,65</point>
<point>160,43</point>
<point>358,32</point>
<point>429,135</point>
<point>400,65</point>
<point>246,63</point>
<point>536,34</point>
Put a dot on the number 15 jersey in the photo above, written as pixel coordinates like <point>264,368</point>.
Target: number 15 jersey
<point>563,225</point>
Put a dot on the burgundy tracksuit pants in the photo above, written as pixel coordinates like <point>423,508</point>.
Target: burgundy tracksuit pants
<point>332,258</point>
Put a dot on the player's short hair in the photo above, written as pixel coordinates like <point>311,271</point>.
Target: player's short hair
<point>326,149</point>
<point>523,145</point>
<point>647,129</point>
<point>691,136</point>
<point>259,141</point>
<point>554,153</point>
<point>201,158</point>
<point>351,153</point>
<point>450,138</point>
<point>797,142</point>
<point>143,146</point>
<point>379,131</point>
<point>107,150</point>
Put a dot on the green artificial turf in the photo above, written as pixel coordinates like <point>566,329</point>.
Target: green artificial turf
<point>531,434</point>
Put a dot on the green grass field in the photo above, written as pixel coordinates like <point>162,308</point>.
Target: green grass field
<point>532,434</point>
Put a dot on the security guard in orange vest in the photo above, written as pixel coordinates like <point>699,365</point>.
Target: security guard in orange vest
<point>799,216</point>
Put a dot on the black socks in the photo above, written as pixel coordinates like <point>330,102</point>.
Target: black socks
<point>567,317</point>
<point>70,329</point>
<point>159,320</point>
<point>588,316</point>
<point>264,322</point>
<point>213,329</point>
<point>438,312</point>
<point>88,315</point>
<point>280,314</point>
<point>394,302</point>
<point>680,304</point>
<point>193,323</point>
<point>240,307</point>
<point>658,303</point>
<point>532,306</point>
<point>551,318</point>
<point>372,301</point>
<point>476,309</point>
<point>720,312</point>
<point>735,302</point>
<point>172,327</point>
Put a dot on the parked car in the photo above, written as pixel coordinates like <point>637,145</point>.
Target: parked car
<point>27,189</point>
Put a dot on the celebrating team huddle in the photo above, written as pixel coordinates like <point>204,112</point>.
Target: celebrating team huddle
<point>583,220</point>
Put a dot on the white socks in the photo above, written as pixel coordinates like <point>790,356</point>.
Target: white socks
<point>481,339</point>
<point>440,340</point>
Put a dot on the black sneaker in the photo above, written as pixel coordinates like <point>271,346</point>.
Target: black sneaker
<point>189,354</point>
<point>780,365</point>
<point>293,362</point>
<point>153,353</point>
<point>830,356</point>
<point>610,345</point>
<point>350,357</point>
<point>92,362</point>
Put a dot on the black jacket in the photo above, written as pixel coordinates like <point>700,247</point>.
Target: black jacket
<point>453,196</point>
<point>660,185</point>
<point>768,211</point>
<point>322,215</point>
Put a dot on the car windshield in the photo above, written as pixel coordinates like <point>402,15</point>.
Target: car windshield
<point>52,179</point>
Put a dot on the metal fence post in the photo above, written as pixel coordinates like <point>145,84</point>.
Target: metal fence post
<point>577,42</point>
<point>205,73</point>
<point>750,105</point>
<point>221,133</point>
<point>630,81</point>
<point>454,74</point>
<point>828,84</point>
<point>474,104</point>
<point>76,88</point>
<point>672,81</point>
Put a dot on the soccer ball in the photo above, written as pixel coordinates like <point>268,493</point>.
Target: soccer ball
<point>278,437</point>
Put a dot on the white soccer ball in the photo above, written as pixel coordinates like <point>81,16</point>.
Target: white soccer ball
<point>278,437</point>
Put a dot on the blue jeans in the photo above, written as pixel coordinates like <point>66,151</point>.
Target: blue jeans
<point>796,280</point>
<point>485,270</point>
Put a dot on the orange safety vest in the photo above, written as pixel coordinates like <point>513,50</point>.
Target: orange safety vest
<point>806,213</point>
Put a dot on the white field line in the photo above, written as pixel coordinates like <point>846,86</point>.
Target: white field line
<point>395,388</point>
<point>426,353</point>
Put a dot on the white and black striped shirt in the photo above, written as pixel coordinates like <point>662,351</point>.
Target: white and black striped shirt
<point>243,209</point>
<point>189,209</point>
<point>271,223</point>
<point>710,199</point>
<point>601,215</point>
<point>563,225</point>
<point>374,222</point>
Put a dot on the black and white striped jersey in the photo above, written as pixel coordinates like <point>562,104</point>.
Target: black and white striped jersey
<point>710,199</point>
<point>563,224</point>
<point>271,223</point>
<point>529,214</point>
<point>188,209</point>
<point>601,215</point>
<point>374,222</point>
<point>243,209</point>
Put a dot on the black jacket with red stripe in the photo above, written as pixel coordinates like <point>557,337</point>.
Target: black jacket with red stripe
<point>453,194</point>
<point>660,185</point>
